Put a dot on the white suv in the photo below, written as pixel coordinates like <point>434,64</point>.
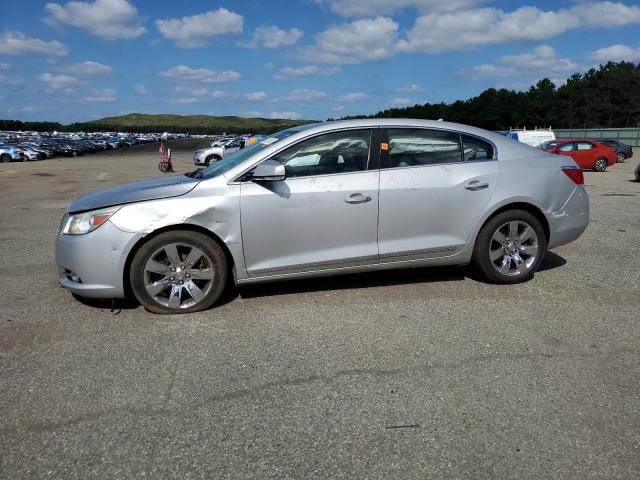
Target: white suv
<point>207,156</point>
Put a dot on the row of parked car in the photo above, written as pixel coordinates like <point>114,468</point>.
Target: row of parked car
<point>588,153</point>
<point>26,146</point>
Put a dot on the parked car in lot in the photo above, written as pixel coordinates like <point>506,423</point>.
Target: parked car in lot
<point>588,154</point>
<point>10,154</point>
<point>623,151</point>
<point>207,156</point>
<point>323,199</point>
<point>638,173</point>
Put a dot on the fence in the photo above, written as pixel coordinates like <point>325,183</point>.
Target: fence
<point>630,136</point>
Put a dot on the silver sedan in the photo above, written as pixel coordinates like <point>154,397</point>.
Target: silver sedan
<point>325,199</point>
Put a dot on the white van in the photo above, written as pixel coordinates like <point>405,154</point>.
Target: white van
<point>535,138</point>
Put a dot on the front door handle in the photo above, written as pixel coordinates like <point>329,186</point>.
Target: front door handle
<point>357,198</point>
<point>475,185</point>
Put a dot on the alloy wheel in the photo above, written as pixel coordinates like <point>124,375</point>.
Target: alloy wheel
<point>178,275</point>
<point>513,248</point>
<point>620,157</point>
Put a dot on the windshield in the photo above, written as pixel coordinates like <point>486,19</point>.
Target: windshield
<point>549,145</point>
<point>237,158</point>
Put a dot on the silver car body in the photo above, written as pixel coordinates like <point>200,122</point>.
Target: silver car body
<point>309,226</point>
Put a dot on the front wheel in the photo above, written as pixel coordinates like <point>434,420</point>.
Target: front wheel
<point>178,272</point>
<point>5,158</point>
<point>600,165</point>
<point>510,247</point>
<point>211,159</point>
<point>620,157</point>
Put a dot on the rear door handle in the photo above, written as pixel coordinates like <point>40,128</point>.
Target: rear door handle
<point>475,185</point>
<point>357,198</point>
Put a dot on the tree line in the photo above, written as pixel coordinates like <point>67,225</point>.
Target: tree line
<point>608,96</point>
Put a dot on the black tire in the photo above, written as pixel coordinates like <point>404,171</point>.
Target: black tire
<point>211,159</point>
<point>620,157</point>
<point>481,260</point>
<point>5,158</point>
<point>600,165</point>
<point>195,239</point>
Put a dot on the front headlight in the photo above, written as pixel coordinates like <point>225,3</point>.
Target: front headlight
<point>81,223</point>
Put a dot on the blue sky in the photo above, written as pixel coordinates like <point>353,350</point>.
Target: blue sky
<point>81,60</point>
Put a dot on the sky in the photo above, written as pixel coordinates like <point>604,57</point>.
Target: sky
<point>311,59</point>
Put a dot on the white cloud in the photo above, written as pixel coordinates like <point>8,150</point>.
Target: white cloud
<point>542,60</point>
<point>352,97</point>
<point>256,96</point>
<point>200,91</point>
<point>356,42</point>
<point>617,53</point>
<point>273,37</point>
<point>433,33</point>
<point>182,72</point>
<point>106,95</point>
<point>305,71</point>
<point>110,19</point>
<point>89,68</point>
<point>58,82</point>
<point>140,89</point>
<point>16,43</point>
<point>194,31</point>
<point>302,95</point>
<point>358,8</point>
<point>606,14</point>
<point>412,88</point>
<point>400,102</point>
<point>284,115</point>
<point>184,101</point>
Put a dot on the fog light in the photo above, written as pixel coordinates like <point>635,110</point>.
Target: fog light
<point>73,276</point>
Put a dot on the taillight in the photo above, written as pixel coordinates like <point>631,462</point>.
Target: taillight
<point>575,174</point>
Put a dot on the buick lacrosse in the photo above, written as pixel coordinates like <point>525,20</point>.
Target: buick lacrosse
<point>325,199</point>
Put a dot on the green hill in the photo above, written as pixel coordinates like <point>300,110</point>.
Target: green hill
<point>194,124</point>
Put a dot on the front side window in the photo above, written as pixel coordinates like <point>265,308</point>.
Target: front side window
<point>567,147</point>
<point>584,146</point>
<point>418,147</point>
<point>337,152</point>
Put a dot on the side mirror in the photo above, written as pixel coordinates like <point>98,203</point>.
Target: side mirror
<point>269,171</point>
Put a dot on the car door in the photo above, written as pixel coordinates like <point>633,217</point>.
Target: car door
<point>232,147</point>
<point>323,215</point>
<point>585,154</point>
<point>434,187</point>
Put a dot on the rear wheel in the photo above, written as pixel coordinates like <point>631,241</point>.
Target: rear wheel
<point>510,247</point>
<point>621,157</point>
<point>600,165</point>
<point>178,272</point>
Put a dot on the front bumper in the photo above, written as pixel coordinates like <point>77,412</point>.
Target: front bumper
<point>97,258</point>
<point>568,223</point>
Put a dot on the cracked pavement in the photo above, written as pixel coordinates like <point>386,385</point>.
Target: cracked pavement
<point>423,373</point>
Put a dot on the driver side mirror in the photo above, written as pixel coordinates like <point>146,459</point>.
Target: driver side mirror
<point>269,171</point>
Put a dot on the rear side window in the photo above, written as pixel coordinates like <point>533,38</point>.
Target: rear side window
<point>585,146</point>
<point>476,149</point>
<point>416,147</point>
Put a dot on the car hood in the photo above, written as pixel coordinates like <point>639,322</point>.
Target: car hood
<point>151,189</point>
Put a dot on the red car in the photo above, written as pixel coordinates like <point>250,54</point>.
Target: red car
<point>588,154</point>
